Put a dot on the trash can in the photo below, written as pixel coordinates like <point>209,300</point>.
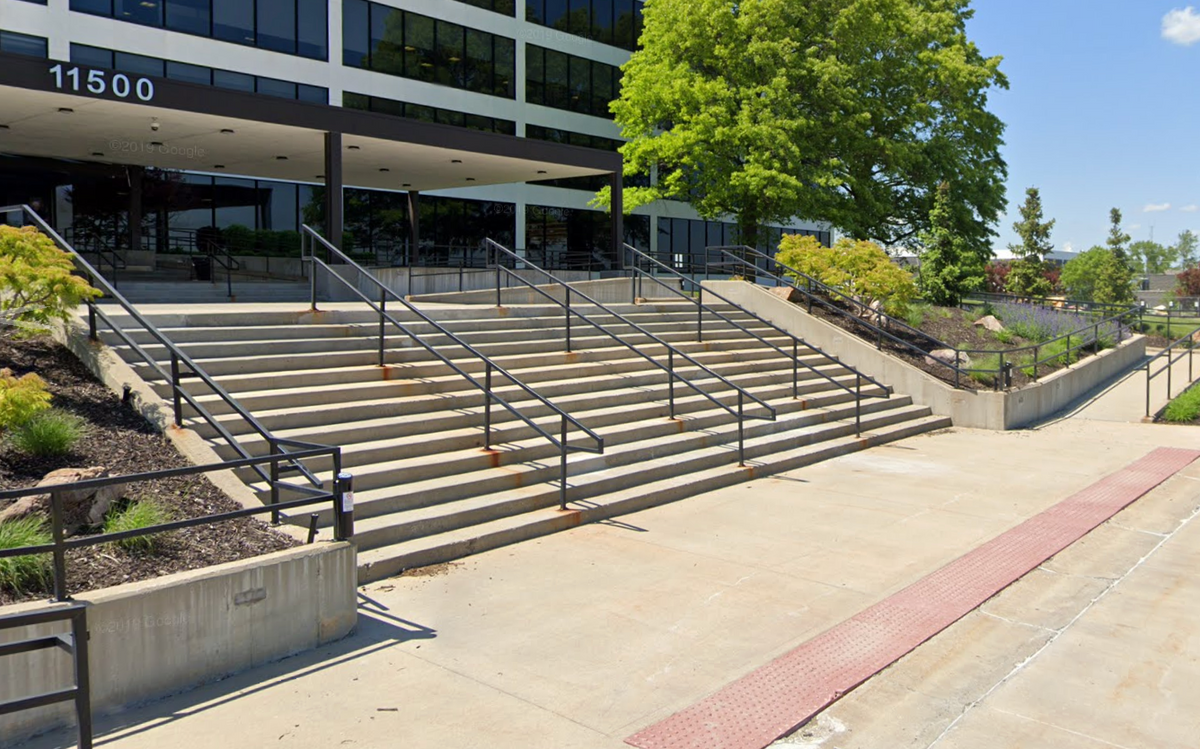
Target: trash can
<point>202,268</point>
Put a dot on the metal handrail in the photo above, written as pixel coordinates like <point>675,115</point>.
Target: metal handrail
<point>1002,373</point>
<point>178,358</point>
<point>60,545</point>
<point>797,341</point>
<point>220,254</point>
<point>75,644</point>
<point>1166,353</point>
<point>308,237</point>
<point>743,394</point>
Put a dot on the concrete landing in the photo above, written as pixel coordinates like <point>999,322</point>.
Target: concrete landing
<point>583,638</point>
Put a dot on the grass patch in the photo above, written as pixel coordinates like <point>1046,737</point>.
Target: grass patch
<point>30,573</point>
<point>136,516</point>
<point>49,434</point>
<point>1006,336</point>
<point>915,315</point>
<point>1053,355</point>
<point>985,362</point>
<point>1185,408</point>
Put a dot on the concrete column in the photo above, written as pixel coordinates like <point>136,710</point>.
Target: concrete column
<point>333,189</point>
<point>617,207</point>
<point>414,226</point>
<point>135,207</point>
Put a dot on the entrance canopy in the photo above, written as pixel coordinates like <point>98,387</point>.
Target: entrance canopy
<point>61,110</point>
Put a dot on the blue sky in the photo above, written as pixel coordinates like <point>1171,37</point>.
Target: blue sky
<point>1103,111</point>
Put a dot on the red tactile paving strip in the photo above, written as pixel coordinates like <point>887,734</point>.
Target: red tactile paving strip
<point>767,704</point>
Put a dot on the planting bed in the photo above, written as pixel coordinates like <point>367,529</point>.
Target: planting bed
<point>122,441</point>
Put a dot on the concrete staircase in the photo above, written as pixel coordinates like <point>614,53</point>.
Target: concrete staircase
<point>412,431</point>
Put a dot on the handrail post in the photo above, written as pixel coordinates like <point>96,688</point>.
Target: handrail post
<point>229,276</point>
<point>487,406</point>
<point>857,404</point>
<point>60,552</point>
<point>671,381</point>
<point>1036,356</point>
<point>1169,368</point>
<point>498,302</point>
<point>176,393</point>
<point>741,431</point>
<point>93,334</point>
<point>274,444</point>
<point>700,315</point>
<point>83,681</point>
<point>957,371</point>
<point>382,329</point>
<point>562,481</point>
<point>1149,378</point>
<point>567,310</point>
<point>312,275</point>
<point>1000,378</point>
<point>343,506</point>
<point>795,367</point>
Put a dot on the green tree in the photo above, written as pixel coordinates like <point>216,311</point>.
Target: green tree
<point>1185,248</point>
<point>949,270</point>
<point>859,269</point>
<point>37,285</point>
<point>1118,240</point>
<point>851,111</point>
<point>1028,274</point>
<point>1114,281</point>
<point>1095,276</point>
<point>1151,257</point>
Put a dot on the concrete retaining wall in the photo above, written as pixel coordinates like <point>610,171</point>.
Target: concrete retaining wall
<point>982,409</point>
<point>158,637</point>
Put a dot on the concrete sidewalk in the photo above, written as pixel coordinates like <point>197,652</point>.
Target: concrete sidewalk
<point>582,638</point>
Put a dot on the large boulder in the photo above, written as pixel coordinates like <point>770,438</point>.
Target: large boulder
<point>947,356</point>
<point>788,294</point>
<point>991,323</point>
<point>81,507</point>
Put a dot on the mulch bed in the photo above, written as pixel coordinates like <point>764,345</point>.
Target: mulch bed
<point>122,441</point>
<point>957,329</point>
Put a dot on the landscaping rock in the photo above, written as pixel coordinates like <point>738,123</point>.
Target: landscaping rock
<point>946,356</point>
<point>788,294</point>
<point>81,508</point>
<point>991,323</point>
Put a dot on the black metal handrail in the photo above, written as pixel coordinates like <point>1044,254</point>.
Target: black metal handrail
<point>702,308</point>
<point>179,360</point>
<point>1058,303</point>
<point>310,239</point>
<point>816,292</point>
<point>218,253</point>
<point>672,352</point>
<point>343,517</point>
<point>76,645</point>
<point>1188,343</point>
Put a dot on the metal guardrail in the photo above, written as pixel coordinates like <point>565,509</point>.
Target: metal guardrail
<point>179,362</point>
<point>75,645</point>
<point>342,509</point>
<point>311,239</point>
<point>657,267</point>
<point>1188,344</point>
<point>219,254</point>
<point>503,253</point>
<point>817,293</point>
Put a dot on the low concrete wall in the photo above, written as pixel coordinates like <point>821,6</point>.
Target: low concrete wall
<point>982,409</point>
<point>155,638</point>
<point>605,291</point>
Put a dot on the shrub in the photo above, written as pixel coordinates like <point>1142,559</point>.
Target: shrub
<point>859,269</point>
<point>1188,282</point>
<point>27,573</point>
<point>997,277</point>
<point>49,434</point>
<point>37,285</point>
<point>1184,408</point>
<point>135,516</point>
<point>21,398</point>
<point>915,314</point>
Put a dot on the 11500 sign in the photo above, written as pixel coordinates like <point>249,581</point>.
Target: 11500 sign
<point>100,82</point>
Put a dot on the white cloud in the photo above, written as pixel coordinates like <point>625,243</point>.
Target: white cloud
<point>1068,247</point>
<point>1156,208</point>
<point>1182,27</point>
<point>1190,208</point>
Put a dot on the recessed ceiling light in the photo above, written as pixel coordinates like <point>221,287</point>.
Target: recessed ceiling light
<point>218,166</point>
<point>354,148</point>
<point>97,153</point>
<point>384,169</point>
<point>470,179</point>
<point>281,158</point>
<point>455,161</point>
<point>320,176</point>
<point>407,184</point>
<point>156,142</point>
<point>226,131</point>
<point>66,110</point>
<point>3,127</point>
<point>542,171</point>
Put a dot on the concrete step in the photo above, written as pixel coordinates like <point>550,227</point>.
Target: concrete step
<point>386,561</point>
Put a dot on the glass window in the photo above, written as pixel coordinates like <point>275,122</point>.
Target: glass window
<point>387,106</point>
<point>190,16</point>
<point>504,83</point>
<point>277,25</point>
<point>555,13</point>
<point>420,56</point>
<point>602,21</point>
<point>535,11</point>
<point>580,84</point>
<point>148,12</point>
<point>275,87</point>
<point>387,31</point>
<point>278,201</point>
<point>451,54</point>
<point>312,28</point>
<point>356,101</point>
<point>557,81</point>
<point>233,21</point>
<point>100,7</point>
<point>235,81</point>
<point>180,71</point>
<point>81,54</point>
<point>535,75</point>
<point>355,33</point>
<point>314,94</point>
<point>579,18</point>
<point>420,112</point>
<point>138,64</point>
<point>625,26</point>
<point>479,64</point>
<point>23,44</point>
<point>603,90</point>
<point>235,201</point>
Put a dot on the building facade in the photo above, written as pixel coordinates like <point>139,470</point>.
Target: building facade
<point>535,69</point>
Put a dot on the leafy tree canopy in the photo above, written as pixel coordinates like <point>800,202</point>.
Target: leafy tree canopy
<point>849,111</point>
<point>1185,248</point>
<point>859,269</point>
<point>36,282</point>
<point>1151,257</point>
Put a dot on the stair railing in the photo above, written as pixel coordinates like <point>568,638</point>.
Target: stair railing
<point>1186,350</point>
<point>183,366</point>
<point>640,275</point>
<point>219,254</point>
<point>501,254</point>
<point>312,241</point>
